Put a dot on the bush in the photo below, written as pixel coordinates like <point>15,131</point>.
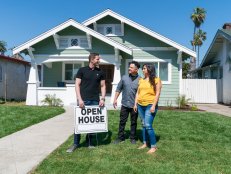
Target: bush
<point>51,100</point>
<point>194,107</point>
<point>182,102</point>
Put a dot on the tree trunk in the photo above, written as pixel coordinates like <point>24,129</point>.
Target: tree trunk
<point>198,56</point>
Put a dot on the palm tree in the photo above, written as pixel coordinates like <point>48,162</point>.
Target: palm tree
<point>198,17</point>
<point>2,47</point>
<point>198,39</point>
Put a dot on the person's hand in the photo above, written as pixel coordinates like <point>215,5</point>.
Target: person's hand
<point>81,104</point>
<point>101,103</point>
<point>115,104</point>
<point>152,109</point>
<point>135,108</point>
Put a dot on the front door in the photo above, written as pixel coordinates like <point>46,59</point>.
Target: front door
<point>109,72</point>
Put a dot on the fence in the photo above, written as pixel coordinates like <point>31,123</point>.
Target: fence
<point>203,90</point>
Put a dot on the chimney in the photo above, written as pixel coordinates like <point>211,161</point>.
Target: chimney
<point>227,26</point>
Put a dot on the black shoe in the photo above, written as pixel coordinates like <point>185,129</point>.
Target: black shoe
<point>133,141</point>
<point>72,148</point>
<point>117,141</point>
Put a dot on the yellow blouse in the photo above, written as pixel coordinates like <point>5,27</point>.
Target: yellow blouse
<point>146,94</point>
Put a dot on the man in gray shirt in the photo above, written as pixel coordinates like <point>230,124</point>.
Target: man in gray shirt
<point>128,85</point>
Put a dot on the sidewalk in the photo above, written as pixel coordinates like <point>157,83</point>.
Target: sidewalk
<point>25,149</point>
<point>217,108</point>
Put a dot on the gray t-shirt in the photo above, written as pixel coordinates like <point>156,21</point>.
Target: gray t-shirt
<point>128,87</point>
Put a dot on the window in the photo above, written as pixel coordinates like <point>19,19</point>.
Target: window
<point>206,74</point>
<point>163,69</point>
<point>73,42</point>
<point>1,73</point>
<point>70,71</point>
<point>110,29</point>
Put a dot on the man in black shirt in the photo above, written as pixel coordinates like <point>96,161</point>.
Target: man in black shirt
<point>88,81</point>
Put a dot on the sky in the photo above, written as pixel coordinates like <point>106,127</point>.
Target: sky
<point>23,20</point>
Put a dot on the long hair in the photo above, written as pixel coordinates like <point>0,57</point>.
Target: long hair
<point>152,74</point>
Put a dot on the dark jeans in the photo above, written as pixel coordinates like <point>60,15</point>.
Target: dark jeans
<point>124,112</point>
<point>77,137</point>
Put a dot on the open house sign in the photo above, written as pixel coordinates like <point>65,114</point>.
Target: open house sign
<point>91,119</point>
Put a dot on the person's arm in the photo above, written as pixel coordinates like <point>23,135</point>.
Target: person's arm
<point>158,89</point>
<point>77,91</point>
<point>136,101</point>
<point>117,93</point>
<point>103,93</point>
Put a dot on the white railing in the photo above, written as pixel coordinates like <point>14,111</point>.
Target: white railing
<point>202,90</point>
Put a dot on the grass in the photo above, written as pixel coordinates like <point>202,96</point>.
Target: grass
<point>15,116</point>
<point>188,142</point>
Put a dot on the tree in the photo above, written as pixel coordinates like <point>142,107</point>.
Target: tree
<point>185,70</point>
<point>198,39</point>
<point>3,47</point>
<point>198,17</point>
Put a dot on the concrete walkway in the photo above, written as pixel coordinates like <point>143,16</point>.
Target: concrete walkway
<point>25,149</point>
<point>217,108</point>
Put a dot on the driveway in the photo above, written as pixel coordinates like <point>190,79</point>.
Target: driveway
<point>217,108</point>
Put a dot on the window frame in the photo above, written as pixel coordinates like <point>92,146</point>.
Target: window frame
<point>63,70</point>
<point>158,61</point>
<point>69,38</point>
<point>113,29</point>
<point>1,74</point>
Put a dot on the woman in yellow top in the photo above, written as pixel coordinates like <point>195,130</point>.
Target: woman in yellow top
<point>146,101</point>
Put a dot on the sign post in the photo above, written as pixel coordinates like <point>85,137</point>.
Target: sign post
<point>91,119</point>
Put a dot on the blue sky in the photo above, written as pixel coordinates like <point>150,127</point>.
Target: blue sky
<point>24,19</point>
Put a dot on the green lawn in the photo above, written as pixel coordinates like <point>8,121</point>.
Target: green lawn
<point>188,142</point>
<point>17,117</point>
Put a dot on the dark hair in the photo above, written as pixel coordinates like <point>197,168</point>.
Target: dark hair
<point>152,74</point>
<point>92,56</point>
<point>135,63</point>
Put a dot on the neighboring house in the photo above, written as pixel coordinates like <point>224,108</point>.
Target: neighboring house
<point>58,54</point>
<point>217,62</point>
<point>14,74</point>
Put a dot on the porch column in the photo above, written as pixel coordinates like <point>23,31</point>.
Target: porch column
<point>33,82</point>
<point>179,62</point>
<point>116,79</point>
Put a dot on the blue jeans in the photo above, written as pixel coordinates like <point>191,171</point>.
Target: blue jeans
<point>147,119</point>
<point>89,136</point>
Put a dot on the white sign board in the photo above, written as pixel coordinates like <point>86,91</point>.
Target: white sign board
<point>91,119</point>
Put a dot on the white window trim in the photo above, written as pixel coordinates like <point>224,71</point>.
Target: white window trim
<point>1,73</point>
<point>113,29</point>
<point>154,61</point>
<point>69,42</point>
<point>63,70</point>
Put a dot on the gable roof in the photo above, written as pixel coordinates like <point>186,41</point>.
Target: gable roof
<point>10,59</point>
<point>66,24</point>
<point>139,27</point>
<point>215,45</point>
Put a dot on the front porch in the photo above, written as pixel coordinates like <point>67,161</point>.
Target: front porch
<point>66,94</point>
<point>57,76</point>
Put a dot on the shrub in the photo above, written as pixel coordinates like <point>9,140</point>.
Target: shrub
<point>169,104</point>
<point>194,107</point>
<point>182,102</point>
<point>51,100</point>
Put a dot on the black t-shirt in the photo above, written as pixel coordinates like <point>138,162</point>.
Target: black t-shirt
<point>90,82</point>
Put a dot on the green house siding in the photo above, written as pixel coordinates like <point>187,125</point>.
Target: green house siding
<point>169,92</point>
<point>135,38</point>
<point>48,47</point>
<point>52,75</point>
<point>108,20</point>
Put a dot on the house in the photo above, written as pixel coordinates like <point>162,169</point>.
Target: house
<point>216,63</point>
<point>58,54</point>
<point>14,74</point>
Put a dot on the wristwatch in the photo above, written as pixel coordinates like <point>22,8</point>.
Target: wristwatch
<point>102,99</point>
